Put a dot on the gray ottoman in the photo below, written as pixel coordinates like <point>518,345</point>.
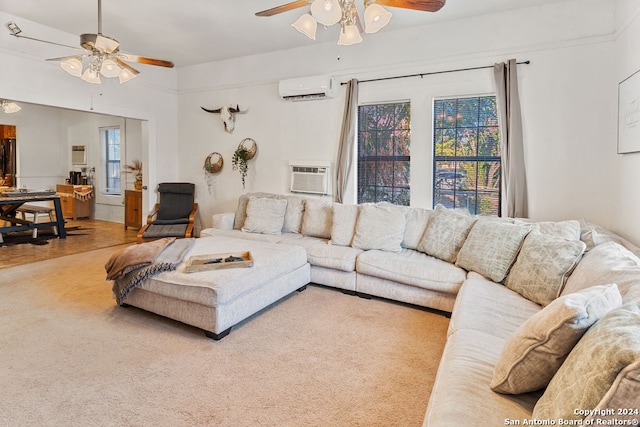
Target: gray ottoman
<point>216,300</point>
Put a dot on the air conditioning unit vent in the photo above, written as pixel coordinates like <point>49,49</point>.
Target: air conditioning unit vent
<point>309,179</point>
<point>307,88</point>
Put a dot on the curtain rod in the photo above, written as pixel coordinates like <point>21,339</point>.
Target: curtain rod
<point>421,75</point>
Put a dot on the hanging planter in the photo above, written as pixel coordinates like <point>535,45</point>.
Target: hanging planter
<point>213,163</point>
<point>246,151</point>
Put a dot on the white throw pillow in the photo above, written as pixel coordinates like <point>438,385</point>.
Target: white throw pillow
<point>417,220</point>
<point>293,214</point>
<point>533,354</point>
<point>445,234</point>
<point>344,224</point>
<point>318,218</point>
<point>381,227</point>
<point>265,215</point>
<point>603,366</point>
<point>491,248</point>
<point>542,266</point>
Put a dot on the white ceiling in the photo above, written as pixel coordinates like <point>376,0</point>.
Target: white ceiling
<point>190,32</point>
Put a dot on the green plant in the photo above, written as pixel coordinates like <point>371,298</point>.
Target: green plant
<point>240,162</point>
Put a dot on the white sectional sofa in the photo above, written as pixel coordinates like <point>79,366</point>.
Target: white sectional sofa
<point>545,316</point>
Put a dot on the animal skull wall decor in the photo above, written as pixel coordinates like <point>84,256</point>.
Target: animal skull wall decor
<point>227,115</point>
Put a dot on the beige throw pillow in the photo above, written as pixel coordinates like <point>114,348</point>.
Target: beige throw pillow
<point>265,215</point>
<point>417,220</point>
<point>344,224</point>
<point>533,354</point>
<point>542,266</point>
<point>597,369</point>
<point>491,248</point>
<point>445,234</point>
<point>380,227</point>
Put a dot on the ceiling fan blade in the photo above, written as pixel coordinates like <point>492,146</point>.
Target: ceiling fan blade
<point>424,5</point>
<point>284,8</point>
<point>145,60</point>
<point>63,58</point>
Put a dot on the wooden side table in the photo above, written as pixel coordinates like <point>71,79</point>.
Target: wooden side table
<point>133,209</point>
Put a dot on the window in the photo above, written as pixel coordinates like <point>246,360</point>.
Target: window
<point>110,141</point>
<point>383,153</point>
<point>466,158</point>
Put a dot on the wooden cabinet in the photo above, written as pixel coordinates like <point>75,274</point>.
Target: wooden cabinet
<point>71,206</point>
<point>133,209</point>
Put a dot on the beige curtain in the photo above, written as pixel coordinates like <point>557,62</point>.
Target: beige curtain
<point>347,140</point>
<point>514,180</point>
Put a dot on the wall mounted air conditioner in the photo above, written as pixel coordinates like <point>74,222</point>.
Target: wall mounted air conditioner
<point>310,177</point>
<point>307,88</point>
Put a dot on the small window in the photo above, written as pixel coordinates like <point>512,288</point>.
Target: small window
<point>383,153</point>
<point>110,141</point>
<point>466,158</point>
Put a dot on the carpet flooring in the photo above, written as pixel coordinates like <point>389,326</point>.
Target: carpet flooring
<point>71,357</point>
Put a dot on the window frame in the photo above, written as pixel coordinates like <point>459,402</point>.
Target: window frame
<point>107,162</point>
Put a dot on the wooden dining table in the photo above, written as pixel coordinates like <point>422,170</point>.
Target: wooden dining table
<point>10,202</point>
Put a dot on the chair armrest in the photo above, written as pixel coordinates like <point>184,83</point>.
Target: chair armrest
<point>153,213</point>
<point>223,221</point>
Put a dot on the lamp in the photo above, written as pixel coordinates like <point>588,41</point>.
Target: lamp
<point>343,12</point>
<point>99,64</point>
<point>72,66</point>
<point>9,107</point>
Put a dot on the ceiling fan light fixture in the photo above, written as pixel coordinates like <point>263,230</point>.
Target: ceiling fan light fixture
<point>307,25</point>
<point>109,68</point>
<point>326,12</point>
<point>72,66</point>
<point>349,35</point>
<point>91,76</point>
<point>376,17</point>
<point>127,74</point>
<point>9,107</point>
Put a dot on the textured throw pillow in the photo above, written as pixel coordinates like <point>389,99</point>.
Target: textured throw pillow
<point>417,220</point>
<point>491,248</point>
<point>445,234</point>
<point>608,262</point>
<point>265,215</point>
<point>379,227</point>
<point>344,224</point>
<point>597,369</point>
<point>542,266</point>
<point>317,218</point>
<point>293,214</point>
<point>569,229</point>
<point>241,210</point>
<point>533,354</point>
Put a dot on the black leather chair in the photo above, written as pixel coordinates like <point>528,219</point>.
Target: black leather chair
<point>174,215</point>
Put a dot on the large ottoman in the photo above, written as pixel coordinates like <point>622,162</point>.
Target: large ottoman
<point>216,300</point>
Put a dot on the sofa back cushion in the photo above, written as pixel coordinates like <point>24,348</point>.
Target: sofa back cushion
<point>293,213</point>
<point>380,226</point>
<point>343,224</point>
<point>491,248</point>
<point>417,220</point>
<point>318,218</point>
<point>569,229</point>
<point>535,352</point>
<point>445,234</point>
<point>543,265</point>
<point>603,366</point>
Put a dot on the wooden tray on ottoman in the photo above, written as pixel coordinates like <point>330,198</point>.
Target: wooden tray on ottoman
<point>219,261</point>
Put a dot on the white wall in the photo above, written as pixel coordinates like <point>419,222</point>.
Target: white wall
<point>623,183</point>
<point>567,103</point>
<point>26,76</point>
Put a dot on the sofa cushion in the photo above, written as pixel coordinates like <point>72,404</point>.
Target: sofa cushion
<point>411,268</point>
<point>417,220</point>
<point>594,235</point>
<point>343,224</point>
<point>241,210</point>
<point>491,248</point>
<point>608,262</point>
<point>445,234</point>
<point>264,215</point>
<point>594,370</point>
<point>379,226</point>
<point>543,265</point>
<point>322,254</point>
<point>491,308</point>
<point>317,219</point>
<point>569,229</point>
<point>293,214</point>
<point>536,350</point>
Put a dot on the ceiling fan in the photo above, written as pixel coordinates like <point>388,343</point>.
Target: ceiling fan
<point>102,55</point>
<point>345,13</point>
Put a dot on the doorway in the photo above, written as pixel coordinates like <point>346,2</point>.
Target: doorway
<point>7,156</point>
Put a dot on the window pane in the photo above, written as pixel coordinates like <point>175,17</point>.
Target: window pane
<point>110,139</point>
<point>467,154</point>
<point>384,153</point>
